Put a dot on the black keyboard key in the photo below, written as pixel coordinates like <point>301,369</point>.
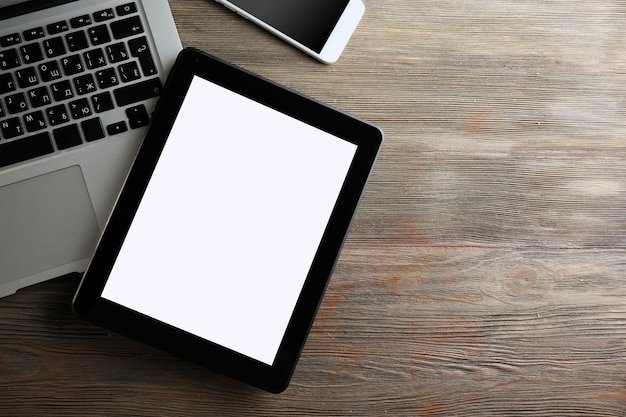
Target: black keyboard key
<point>138,92</point>
<point>80,21</point>
<point>25,149</point>
<point>129,72</point>
<point>6,83</point>
<point>84,84</point>
<point>9,59</point>
<point>99,35</point>
<point>102,102</point>
<point>126,9</point>
<point>94,58</point>
<point>107,78</point>
<point>139,49</point>
<point>2,112</point>
<point>92,129</point>
<point>80,109</point>
<point>57,115</point>
<point>49,71</point>
<point>137,116</point>
<point>117,52</point>
<point>26,77</point>
<point>130,26</point>
<point>39,97</point>
<point>62,90</point>
<point>16,103</point>
<point>103,15</point>
<point>34,121</point>
<point>11,128</point>
<point>31,53</point>
<point>34,33</point>
<point>72,65</point>
<point>67,136</point>
<point>117,128</point>
<point>57,27</point>
<point>54,47</point>
<point>10,40</point>
<point>76,41</point>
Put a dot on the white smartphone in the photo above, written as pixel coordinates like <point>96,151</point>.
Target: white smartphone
<point>321,28</point>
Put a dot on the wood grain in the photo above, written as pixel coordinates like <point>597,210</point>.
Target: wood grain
<point>485,272</point>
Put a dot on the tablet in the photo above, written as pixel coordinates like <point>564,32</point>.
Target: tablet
<point>224,236</point>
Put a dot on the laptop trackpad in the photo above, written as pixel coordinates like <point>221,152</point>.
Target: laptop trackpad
<point>45,222</point>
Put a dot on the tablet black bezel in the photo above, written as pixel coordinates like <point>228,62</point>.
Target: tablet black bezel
<point>88,302</point>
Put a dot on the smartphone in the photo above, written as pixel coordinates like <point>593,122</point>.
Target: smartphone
<point>321,28</point>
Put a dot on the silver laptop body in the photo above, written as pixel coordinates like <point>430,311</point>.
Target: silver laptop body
<point>78,83</point>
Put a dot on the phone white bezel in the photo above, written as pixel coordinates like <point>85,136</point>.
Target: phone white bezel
<point>337,40</point>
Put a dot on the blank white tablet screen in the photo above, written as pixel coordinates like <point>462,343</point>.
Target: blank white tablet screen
<point>230,222</point>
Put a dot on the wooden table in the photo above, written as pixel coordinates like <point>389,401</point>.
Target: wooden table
<point>485,273</point>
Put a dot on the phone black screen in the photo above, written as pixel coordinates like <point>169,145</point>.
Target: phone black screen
<point>309,22</point>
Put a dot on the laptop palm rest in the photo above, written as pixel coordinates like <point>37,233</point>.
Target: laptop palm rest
<point>45,222</point>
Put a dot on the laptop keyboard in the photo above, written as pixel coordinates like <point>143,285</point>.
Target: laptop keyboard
<point>62,84</point>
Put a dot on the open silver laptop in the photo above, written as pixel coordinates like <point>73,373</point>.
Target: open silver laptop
<point>78,82</point>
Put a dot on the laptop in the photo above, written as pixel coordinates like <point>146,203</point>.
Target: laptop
<point>79,80</point>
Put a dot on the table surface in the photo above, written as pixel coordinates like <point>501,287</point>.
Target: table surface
<point>485,272</point>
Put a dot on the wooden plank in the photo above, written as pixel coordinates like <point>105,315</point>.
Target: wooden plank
<point>484,272</point>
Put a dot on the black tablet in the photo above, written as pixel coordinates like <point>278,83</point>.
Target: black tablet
<point>225,234</point>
